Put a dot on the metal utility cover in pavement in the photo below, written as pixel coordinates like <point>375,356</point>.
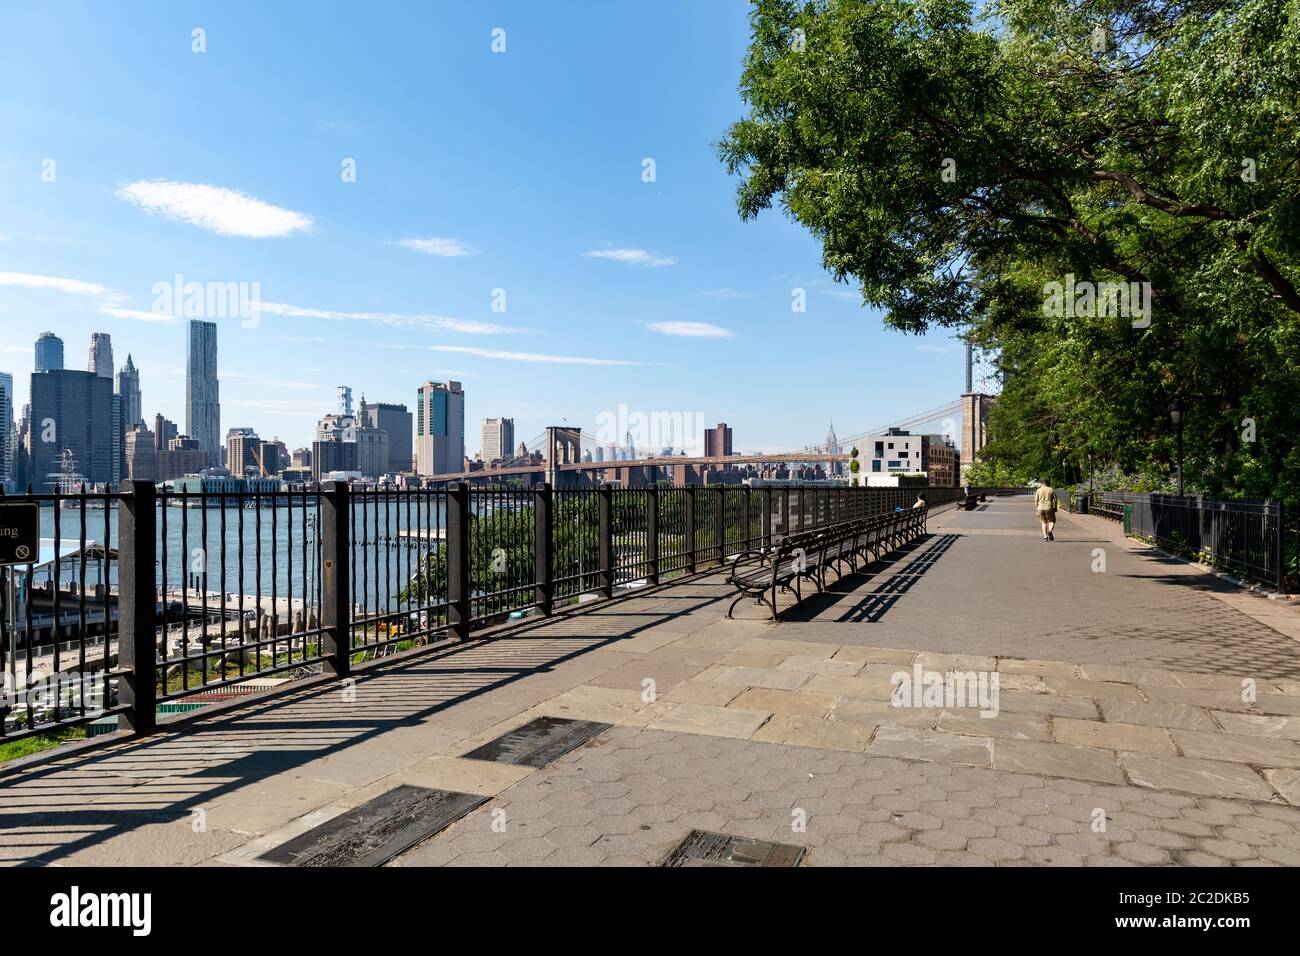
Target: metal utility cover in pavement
<point>378,830</point>
<point>20,532</point>
<point>702,848</point>
<point>538,742</point>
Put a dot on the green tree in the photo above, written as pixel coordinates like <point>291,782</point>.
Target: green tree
<point>953,165</point>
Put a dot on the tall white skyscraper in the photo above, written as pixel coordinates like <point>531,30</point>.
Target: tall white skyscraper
<point>202,393</point>
<point>440,428</point>
<point>101,354</point>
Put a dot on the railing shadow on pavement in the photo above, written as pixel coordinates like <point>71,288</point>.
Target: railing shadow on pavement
<point>927,548</point>
<point>85,800</point>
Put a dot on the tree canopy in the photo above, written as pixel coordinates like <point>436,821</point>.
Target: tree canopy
<point>961,166</point>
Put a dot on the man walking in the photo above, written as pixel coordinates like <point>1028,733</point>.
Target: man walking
<point>1045,504</point>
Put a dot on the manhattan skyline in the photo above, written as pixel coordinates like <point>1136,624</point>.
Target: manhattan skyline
<point>556,273</point>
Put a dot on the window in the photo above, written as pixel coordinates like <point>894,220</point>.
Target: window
<point>895,464</point>
<point>875,464</point>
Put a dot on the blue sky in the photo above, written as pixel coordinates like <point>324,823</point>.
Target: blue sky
<point>475,171</point>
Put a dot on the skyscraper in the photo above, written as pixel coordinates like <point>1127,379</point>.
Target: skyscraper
<point>498,438</point>
<point>6,430</point>
<point>717,441</point>
<point>72,411</point>
<point>128,387</point>
<point>101,355</point>
<point>202,393</point>
<point>398,423</point>
<point>49,352</point>
<point>440,428</point>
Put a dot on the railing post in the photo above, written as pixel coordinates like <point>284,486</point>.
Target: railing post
<point>458,582</point>
<point>767,518</point>
<point>1279,545</point>
<point>720,525</point>
<point>803,508</point>
<point>605,538</point>
<point>336,581</point>
<point>785,511</point>
<point>690,529</point>
<point>543,538</point>
<point>652,534</point>
<point>137,607</point>
<point>747,516</point>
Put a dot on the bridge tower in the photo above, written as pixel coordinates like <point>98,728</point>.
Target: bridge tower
<point>563,447</point>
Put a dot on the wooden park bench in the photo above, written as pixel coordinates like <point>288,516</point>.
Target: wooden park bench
<point>760,573</point>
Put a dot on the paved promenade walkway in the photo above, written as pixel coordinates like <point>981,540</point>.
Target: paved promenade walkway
<point>1147,713</point>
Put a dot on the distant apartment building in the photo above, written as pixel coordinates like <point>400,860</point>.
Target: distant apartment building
<point>330,455</point>
<point>399,424</point>
<point>242,448</point>
<point>141,455</point>
<point>302,458</point>
<point>182,456</point>
<point>440,428</point>
<point>940,461</point>
<point>72,412</point>
<point>498,438</point>
<point>202,391</point>
<point>371,451</point>
<point>100,360</point>
<point>49,353</point>
<point>128,389</point>
<point>163,432</point>
<point>717,441</point>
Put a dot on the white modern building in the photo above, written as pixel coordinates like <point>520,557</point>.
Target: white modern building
<point>897,452</point>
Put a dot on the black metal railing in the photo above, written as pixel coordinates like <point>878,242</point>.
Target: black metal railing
<point>147,595</point>
<point>1247,538</point>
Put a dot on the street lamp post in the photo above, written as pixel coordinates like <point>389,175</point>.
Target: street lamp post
<point>1177,411</point>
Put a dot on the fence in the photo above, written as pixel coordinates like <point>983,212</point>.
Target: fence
<point>1245,537</point>
<point>145,595</point>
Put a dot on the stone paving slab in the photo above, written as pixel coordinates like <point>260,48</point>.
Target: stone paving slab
<point>734,725</point>
<point>630,799</point>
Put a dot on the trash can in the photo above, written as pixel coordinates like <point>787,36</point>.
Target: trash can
<point>1128,519</point>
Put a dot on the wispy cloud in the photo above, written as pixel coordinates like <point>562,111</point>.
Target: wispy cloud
<point>928,347</point>
<point>691,330</point>
<point>441,323</point>
<point>536,357</point>
<point>725,294</point>
<point>136,315</point>
<point>91,290</point>
<point>437,246</point>
<point>214,208</point>
<point>632,257</point>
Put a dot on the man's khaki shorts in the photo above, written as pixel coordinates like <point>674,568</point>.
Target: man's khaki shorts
<point>1047,515</point>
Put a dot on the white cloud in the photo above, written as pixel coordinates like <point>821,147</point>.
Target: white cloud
<point>437,246</point>
<point>68,286</point>
<point>137,315</point>
<point>440,322</point>
<point>214,208</point>
<point>926,347</point>
<point>692,330</point>
<point>725,294</point>
<point>529,356</point>
<point>632,257</point>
